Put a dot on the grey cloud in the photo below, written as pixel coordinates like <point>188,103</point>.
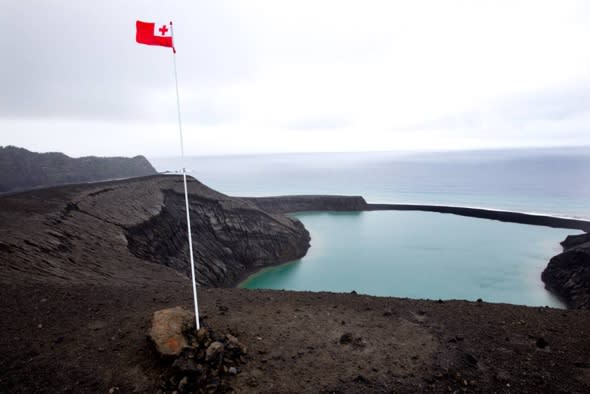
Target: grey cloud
<point>318,123</point>
<point>557,104</point>
<point>79,60</point>
<point>554,104</point>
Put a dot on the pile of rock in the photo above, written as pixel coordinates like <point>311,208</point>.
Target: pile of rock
<point>198,361</point>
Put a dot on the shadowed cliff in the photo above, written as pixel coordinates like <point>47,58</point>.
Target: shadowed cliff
<point>21,169</point>
<point>568,273</point>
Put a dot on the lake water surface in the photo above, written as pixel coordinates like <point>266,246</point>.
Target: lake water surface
<point>420,255</point>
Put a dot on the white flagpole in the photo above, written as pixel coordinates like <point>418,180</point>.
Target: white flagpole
<point>188,217</point>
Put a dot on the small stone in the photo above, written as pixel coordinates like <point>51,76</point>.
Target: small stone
<point>502,376</point>
<point>202,335</point>
<point>236,344</point>
<point>233,371</point>
<point>214,350</point>
<point>183,383</point>
<point>479,300</point>
<point>387,313</point>
<point>185,364</point>
<point>113,390</point>
<point>40,326</point>
<point>353,292</point>
<point>97,325</point>
<point>346,338</point>
<point>360,379</point>
<point>542,343</point>
<point>470,359</point>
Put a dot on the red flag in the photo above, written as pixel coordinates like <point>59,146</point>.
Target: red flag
<point>151,34</point>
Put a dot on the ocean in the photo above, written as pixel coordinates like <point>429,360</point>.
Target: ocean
<point>416,254</point>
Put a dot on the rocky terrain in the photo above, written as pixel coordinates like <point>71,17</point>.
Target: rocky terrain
<point>568,273</point>
<point>110,230</point>
<point>21,169</point>
<point>83,269</point>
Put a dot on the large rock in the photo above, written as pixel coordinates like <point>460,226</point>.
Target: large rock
<point>568,273</point>
<point>579,241</point>
<point>169,328</point>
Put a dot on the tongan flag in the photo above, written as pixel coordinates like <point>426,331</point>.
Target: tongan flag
<point>151,34</point>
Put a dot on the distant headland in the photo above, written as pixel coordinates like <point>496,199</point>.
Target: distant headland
<point>21,169</point>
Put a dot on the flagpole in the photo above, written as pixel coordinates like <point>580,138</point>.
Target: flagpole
<point>188,218</point>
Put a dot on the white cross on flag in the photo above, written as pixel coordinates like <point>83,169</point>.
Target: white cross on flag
<point>162,30</point>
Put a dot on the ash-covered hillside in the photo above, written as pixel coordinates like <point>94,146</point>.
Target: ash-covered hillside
<point>21,169</point>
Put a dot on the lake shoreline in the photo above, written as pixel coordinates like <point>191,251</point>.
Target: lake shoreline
<point>308,204</point>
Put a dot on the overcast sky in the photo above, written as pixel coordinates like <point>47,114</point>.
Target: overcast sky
<point>295,76</point>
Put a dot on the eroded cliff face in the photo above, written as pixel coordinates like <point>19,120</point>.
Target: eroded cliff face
<point>568,273</point>
<point>230,238</point>
<point>133,230</point>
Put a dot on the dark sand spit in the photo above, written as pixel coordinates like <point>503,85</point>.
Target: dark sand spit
<point>83,268</point>
<point>285,204</point>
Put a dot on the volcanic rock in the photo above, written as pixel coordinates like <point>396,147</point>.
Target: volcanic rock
<point>568,273</point>
<point>168,330</point>
<point>214,350</point>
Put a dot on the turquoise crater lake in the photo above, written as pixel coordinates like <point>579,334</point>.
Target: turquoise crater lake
<point>420,255</point>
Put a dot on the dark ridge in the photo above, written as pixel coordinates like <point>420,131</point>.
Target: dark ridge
<point>285,204</point>
<point>21,169</point>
